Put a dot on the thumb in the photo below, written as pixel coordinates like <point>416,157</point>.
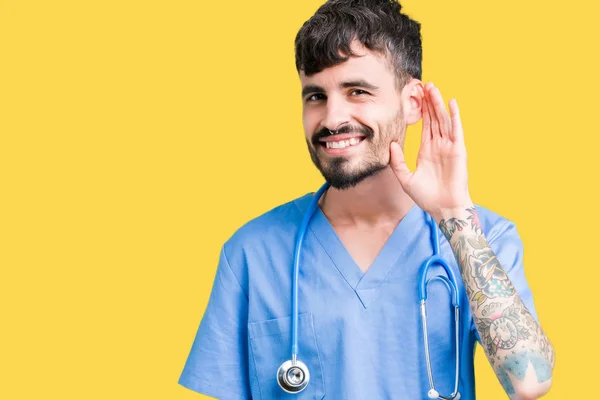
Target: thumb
<point>398,164</point>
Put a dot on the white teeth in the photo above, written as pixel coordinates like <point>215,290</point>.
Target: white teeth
<point>342,143</point>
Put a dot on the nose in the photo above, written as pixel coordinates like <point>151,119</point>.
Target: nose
<point>337,114</point>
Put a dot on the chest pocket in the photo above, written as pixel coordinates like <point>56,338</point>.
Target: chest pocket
<point>270,345</point>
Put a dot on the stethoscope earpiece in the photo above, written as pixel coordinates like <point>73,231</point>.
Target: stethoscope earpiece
<point>434,394</point>
<point>293,377</point>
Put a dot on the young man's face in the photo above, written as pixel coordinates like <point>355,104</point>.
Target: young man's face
<point>359,100</point>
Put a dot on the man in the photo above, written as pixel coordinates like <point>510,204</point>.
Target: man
<point>359,327</point>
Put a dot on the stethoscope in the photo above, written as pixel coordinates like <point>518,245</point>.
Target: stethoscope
<point>293,375</point>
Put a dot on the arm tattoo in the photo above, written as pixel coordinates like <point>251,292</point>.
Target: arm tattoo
<point>511,338</point>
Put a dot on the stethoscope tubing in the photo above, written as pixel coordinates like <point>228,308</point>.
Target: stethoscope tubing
<point>449,282</point>
<point>296,268</point>
<point>452,286</point>
<point>436,259</point>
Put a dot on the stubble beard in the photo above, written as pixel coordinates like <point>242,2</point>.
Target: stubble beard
<point>339,171</point>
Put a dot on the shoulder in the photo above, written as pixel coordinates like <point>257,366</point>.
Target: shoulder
<point>256,244</point>
<point>275,224</point>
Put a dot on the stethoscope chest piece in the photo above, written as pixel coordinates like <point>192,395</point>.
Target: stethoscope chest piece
<point>293,377</point>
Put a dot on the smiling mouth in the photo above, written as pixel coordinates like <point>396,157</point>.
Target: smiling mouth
<point>341,142</point>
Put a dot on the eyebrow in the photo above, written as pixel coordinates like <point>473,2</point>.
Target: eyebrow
<point>359,83</point>
<point>310,89</point>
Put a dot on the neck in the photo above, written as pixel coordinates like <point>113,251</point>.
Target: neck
<point>377,200</point>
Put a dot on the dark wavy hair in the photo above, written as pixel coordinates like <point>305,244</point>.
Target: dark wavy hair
<point>324,40</point>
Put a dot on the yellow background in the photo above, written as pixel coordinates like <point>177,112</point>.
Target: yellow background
<point>137,136</point>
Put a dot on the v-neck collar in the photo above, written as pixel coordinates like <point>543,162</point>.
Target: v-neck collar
<point>364,284</point>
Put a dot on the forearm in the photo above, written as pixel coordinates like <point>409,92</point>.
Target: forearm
<point>514,343</point>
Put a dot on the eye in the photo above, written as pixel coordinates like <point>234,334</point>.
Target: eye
<point>315,97</point>
<point>358,92</point>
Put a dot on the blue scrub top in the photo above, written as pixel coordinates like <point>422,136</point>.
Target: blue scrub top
<point>359,333</point>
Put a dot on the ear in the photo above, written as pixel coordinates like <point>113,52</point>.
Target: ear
<point>412,101</point>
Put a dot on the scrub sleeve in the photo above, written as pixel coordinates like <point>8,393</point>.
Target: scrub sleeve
<point>217,365</point>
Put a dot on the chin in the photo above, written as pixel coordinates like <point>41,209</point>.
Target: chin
<point>344,181</point>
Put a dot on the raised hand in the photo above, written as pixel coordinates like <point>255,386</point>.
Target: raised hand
<point>439,183</point>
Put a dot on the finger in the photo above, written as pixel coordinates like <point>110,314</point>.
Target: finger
<point>440,112</point>
<point>434,121</point>
<point>398,164</point>
<point>426,115</point>
<point>457,129</point>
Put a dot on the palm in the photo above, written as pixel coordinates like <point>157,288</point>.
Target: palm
<point>440,179</point>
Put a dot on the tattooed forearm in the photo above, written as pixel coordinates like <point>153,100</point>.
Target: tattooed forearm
<point>512,340</point>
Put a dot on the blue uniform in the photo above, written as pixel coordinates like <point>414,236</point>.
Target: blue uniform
<point>359,333</point>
